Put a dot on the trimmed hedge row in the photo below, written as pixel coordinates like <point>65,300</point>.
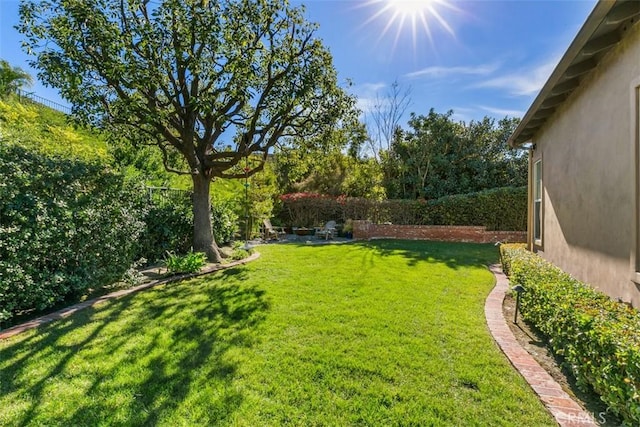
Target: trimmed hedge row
<point>496,209</point>
<point>598,338</point>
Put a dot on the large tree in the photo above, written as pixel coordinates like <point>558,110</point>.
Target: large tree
<point>207,82</point>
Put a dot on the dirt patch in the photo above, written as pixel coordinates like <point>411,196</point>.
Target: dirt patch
<point>536,344</point>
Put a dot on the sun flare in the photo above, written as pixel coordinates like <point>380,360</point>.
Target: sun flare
<point>412,15</point>
<point>409,7</point>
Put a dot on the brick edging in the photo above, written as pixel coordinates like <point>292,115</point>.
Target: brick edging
<point>561,406</point>
<point>68,311</point>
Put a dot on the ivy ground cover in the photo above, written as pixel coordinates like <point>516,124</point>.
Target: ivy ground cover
<point>380,333</point>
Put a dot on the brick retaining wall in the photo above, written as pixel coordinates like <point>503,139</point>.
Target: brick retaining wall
<point>368,230</point>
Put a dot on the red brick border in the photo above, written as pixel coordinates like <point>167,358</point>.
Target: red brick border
<point>68,311</point>
<point>563,408</point>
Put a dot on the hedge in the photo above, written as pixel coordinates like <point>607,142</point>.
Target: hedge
<point>496,209</point>
<point>597,337</point>
<point>65,225</point>
<point>168,228</point>
<point>69,224</point>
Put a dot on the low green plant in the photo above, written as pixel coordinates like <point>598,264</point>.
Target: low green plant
<point>189,263</point>
<point>133,276</point>
<point>239,251</point>
<point>597,337</point>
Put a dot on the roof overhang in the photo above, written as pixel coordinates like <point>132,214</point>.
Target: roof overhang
<point>603,29</point>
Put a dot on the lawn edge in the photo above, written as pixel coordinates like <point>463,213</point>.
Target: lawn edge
<point>68,311</point>
<point>566,411</point>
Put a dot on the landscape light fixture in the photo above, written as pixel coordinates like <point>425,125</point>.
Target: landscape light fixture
<point>519,290</point>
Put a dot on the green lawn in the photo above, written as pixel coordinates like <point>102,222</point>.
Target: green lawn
<point>384,333</point>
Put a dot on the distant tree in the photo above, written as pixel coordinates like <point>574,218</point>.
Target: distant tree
<point>329,164</point>
<point>416,155</point>
<point>207,82</point>
<point>438,156</point>
<point>385,115</point>
<point>12,78</point>
<point>491,162</point>
<point>365,179</point>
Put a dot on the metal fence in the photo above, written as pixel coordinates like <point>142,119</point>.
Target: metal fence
<point>32,97</point>
<point>165,195</point>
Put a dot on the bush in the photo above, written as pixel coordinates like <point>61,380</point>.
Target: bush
<point>239,252</point>
<point>168,227</point>
<point>224,221</point>
<point>189,263</point>
<point>65,225</point>
<point>598,338</point>
<point>309,209</point>
<point>496,209</point>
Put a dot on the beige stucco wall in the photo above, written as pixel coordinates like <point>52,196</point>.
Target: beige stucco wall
<point>589,176</point>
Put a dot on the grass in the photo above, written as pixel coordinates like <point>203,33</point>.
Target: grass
<point>383,333</point>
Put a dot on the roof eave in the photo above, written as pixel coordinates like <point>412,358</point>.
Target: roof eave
<point>566,75</point>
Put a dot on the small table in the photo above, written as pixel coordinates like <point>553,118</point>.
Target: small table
<point>302,231</point>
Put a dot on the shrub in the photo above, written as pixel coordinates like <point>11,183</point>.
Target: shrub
<point>189,263</point>
<point>224,221</point>
<point>239,252</point>
<point>309,209</point>
<point>65,225</point>
<point>168,227</point>
<point>496,209</point>
<point>598,338</point>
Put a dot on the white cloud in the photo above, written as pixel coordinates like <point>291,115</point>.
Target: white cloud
<point>502,111</point>
<point>521,83</point>
<point>366,105</point>
<point>370,87</point>
<point>367,94</point>
<point>439,72</point>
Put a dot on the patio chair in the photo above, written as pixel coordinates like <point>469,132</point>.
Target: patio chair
<point>271,232</point>
<point>328,231</point>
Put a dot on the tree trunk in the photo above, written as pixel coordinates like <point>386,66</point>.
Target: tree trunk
<point>203,240</point>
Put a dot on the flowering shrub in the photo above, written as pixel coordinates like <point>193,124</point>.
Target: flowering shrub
<point>598,338</point>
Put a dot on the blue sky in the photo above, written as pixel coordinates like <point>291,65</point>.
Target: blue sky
<point>477,57</point>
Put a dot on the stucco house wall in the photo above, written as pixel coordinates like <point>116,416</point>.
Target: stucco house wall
<point>589,174</point>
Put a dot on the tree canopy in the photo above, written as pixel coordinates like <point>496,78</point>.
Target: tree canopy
<point>12,78</point>
<point>207,82</point>
<point>438,157</point>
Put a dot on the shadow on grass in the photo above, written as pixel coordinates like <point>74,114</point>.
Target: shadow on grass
<point>140,359</point>
<point>453,254</point>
